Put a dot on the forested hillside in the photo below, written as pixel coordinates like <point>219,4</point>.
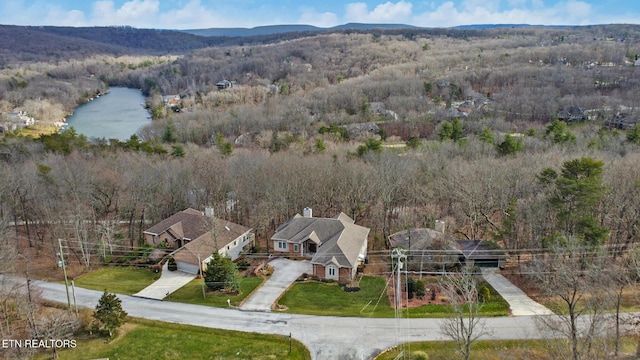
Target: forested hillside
<point>323,120</point>
<point>307,122</point>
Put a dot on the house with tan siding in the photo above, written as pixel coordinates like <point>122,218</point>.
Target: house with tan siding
<point>196,235</point>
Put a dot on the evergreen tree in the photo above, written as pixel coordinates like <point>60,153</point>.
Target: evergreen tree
<point>109,314</point>
<point>451,130</point>
<point>222,273</point>
<point>170,133</point>
<point>487,135</point>
<point>633,134</point>
<point>177,151</point>
<point>576,194</point>
<point>509,146</point>
<point>558,131</point>
<point>413,142</point>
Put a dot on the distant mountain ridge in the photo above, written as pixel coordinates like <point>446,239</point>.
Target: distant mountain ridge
<point>281,29</point>
<point>27,43</point>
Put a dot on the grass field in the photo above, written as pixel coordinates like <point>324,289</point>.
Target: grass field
<point>145,339</point>
<point>317,298</point>
<point>119,280</point>
<point>486,350</point>
<point>192,293</point>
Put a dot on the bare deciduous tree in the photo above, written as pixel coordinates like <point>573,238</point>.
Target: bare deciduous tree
<point>464,326</point>
<point>573,276</point>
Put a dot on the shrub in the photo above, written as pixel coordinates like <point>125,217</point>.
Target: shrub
<point>411,288</point>
<point>243,265</point>
<point>351,289</point>
<point>418,355</point>
<point>171,264</point>
<point>484,294</point>
<point>420,289</point>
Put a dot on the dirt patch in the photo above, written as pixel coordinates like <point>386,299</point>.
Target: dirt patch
<point>39,260</point>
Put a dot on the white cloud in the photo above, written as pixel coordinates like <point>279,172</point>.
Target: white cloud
<point>447,14</point>
<point>207,13</point>
<point>311,17</point>
<point>383,13</point>
<point>138,13</point>
<point>193,15</point>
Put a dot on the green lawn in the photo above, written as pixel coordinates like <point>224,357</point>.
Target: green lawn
<point>119,280</point>
<point>145,339</point>
<point>317,298</point>
<point>192,293</point>
<point>485,350</point>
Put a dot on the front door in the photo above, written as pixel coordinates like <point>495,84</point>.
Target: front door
<point>331,272</point>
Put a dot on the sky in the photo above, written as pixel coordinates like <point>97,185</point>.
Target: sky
<point>200,14</point>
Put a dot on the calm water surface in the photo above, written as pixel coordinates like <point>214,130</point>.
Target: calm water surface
<point>116,115</point>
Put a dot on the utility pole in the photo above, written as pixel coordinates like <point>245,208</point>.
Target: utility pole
<point>75,303</point>
<point>400,256</point>
<point>64,271</point>
<point>204,296</point>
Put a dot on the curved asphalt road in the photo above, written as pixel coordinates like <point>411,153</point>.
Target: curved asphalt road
<point>326,337</point>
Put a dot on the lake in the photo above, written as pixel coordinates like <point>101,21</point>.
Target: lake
<point>116,115</point>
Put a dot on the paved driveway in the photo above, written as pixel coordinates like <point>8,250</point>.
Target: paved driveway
<point>285,273</point>
<point>519,302</point>
<point>169,282</point>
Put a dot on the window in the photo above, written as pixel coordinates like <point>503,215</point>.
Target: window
<point>282,245</point>
<point>295,247</point>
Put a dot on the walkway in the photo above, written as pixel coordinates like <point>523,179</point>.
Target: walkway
<point>285,273</point>
<point>169,282</point>
<point>519,302</point>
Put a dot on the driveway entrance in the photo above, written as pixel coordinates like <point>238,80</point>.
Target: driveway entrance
<point>285,273</point>
<point>169,282</point>
<point>519,303</point>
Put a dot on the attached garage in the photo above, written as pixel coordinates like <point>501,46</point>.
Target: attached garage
<point>482,253</point>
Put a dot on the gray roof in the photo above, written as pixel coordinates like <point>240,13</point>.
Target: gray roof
<point>339,239</point>
<point>481,250</point>
<point>205,233</point>
<point>422,239</point>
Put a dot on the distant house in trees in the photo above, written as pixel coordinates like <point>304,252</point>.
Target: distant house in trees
<point>621,121</point>
<point>194,235</point>
<point>171,101</point>
<point>337,246</point>
<point>435,250</point>
<point>572,114</point>
<point>482,253</point>
<point>224,84</point>
<point>430,249</point>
